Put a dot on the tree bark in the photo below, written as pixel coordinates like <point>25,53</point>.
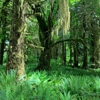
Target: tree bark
<point>84,37</point>
<point>96,51</point>
<point>64,53</point>
<point>15,59</point>
<point>55,52</point>
<point>76,55</point>
<point>71,53</point>
<point>95,46</point>
<point>45,39</point>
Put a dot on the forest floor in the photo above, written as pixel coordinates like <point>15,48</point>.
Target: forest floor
<point>61,83</point>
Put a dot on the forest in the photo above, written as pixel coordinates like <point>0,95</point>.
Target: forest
<point>49,49</point>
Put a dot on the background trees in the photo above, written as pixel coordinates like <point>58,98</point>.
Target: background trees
<point>35,35</point>
<point>83,13</point>
<point>45,35</point>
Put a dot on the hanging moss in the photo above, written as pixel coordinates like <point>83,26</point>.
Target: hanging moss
<point>64,15</point>
<point>63,22</point>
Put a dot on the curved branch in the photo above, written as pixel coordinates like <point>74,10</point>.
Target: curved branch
<point>78,40</point>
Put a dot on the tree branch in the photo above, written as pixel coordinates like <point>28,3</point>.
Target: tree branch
<point>78,40</point>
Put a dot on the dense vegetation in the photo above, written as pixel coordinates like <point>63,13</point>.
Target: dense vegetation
<point>49,50</point>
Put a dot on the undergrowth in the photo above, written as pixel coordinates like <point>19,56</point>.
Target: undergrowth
<point>69,84</point>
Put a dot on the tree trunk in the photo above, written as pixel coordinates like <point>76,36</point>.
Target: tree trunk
<point>64,53</point>
<point>15,59</point>
<point>97,50</point>
<point>84,36</point>
<point>44,60</point>
<point>45,57</point>
<point>95,46</point>
<point>45,39</point>
<point>55,52</point>
<point>85,58</point>
<point>76,55</point>
<point>71,54</point>
<point>92,59</point>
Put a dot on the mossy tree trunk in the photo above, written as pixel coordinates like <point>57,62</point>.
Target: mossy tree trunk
<point>95,45</point>
<point>75,48</point>
<point>84,37</point>
<point>46,27</point>
<point>92,35</point>
<point>45,39</point>
<point>97,50</point>
<point>15,59</point>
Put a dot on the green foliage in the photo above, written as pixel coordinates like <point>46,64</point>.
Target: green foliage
<point>53,85</point>
<point>62,83</point>
<point>72,2</point>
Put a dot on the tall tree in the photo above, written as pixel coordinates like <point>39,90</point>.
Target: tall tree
<point>95,43</point>
<point>47,27</point>
<point>84,37</point>
<point>95,35</point>
<point>15,59</point>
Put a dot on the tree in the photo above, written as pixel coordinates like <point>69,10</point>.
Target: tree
<point>95,35</point>
<point>86,24</point>
<point>15,59</point>
<point>46,25</point>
